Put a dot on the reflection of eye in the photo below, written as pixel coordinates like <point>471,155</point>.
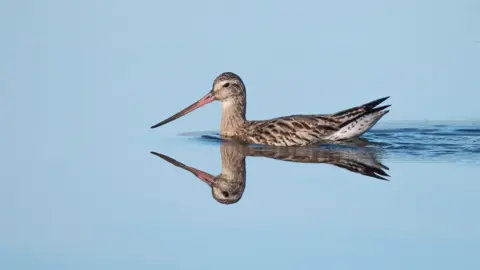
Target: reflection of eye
<point>226,85</point>
<point>225,194</point>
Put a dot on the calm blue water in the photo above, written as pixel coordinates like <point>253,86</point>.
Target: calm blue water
<point>120,207</point>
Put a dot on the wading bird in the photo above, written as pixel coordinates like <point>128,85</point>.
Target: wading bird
<point>293,130</point>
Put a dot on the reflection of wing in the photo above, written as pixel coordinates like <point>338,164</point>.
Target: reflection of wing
<point>205,177</point>
<point>358,160</point>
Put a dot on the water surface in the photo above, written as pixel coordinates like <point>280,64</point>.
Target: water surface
<point>120,207</point>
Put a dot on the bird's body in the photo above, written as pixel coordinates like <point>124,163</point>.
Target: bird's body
<point>298,130</point>
<point>293,130</point>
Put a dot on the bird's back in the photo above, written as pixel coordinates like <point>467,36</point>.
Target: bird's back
<point>310,129</point>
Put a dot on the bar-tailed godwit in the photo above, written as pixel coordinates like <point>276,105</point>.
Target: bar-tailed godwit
<point>293,130</point>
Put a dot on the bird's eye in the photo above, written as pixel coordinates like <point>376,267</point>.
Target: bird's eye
<point>225,194</point>
<point>226,85</point>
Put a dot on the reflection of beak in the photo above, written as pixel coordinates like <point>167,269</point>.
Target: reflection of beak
<point>203,101</point>
<point>204,176</point>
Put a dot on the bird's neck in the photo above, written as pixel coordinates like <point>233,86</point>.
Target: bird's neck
<point>233,116</point>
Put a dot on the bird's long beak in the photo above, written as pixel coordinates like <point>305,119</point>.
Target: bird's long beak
<point>203,101</point>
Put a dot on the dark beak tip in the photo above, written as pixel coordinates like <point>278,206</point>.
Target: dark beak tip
<point>156,125</point>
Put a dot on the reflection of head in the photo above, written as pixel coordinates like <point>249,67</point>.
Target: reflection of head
<point>227,191</point>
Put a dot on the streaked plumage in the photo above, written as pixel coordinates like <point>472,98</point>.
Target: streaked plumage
<point>293,130</point>
<point>229,185</point>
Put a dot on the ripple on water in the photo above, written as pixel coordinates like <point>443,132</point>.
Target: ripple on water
<point>475,130</point>
<point>445,142</point>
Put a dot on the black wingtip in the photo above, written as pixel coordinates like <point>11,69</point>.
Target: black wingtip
<point>383,99</point>
<point>375,103</point>
<point>379,109</point>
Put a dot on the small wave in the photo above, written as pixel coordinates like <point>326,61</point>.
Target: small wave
<point>212,138</point>
<point>468,130</point>
<point>449,143</point>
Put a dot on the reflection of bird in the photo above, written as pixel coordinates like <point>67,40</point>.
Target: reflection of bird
<point>228,186</point>
<point>283,131</point>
